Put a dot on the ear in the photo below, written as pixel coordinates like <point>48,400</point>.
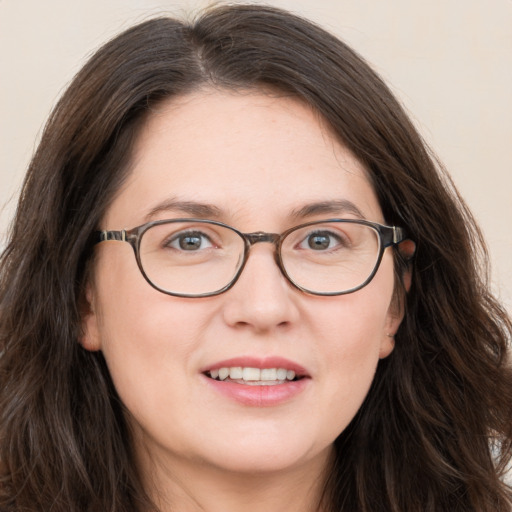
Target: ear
<point>392,324</point>
<point>90,338</point>
<point>396,309</point>
<point>407,250</point>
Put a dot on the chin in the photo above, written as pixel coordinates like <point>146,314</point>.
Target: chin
<point>263,456</point>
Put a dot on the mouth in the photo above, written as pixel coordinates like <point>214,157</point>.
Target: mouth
<point>258,381</point>
<point>252,376</point>
<point>254,371</point>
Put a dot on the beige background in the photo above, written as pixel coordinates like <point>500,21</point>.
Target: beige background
<point>448,60</point>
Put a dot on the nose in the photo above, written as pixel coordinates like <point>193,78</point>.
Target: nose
<point>262,299</point>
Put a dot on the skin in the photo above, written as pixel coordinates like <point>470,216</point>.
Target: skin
<point>257,158</point>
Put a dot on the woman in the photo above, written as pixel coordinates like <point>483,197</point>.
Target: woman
<point>302,321</point>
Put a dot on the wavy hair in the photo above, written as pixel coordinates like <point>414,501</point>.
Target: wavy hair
<point>435,431</point>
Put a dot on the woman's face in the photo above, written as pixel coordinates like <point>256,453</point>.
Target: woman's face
<point>258,163</point>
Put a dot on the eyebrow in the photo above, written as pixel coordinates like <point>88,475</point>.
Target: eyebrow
<point>335,207</point>
<point>189,208</point>
<point>210,211</point>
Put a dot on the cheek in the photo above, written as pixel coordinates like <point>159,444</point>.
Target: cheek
<point>354,325</point>
<point>151,356</point>
<point>349,370</point>
<point>151,334</point>
<point>351,334</point>
<point>353,354</point>
<point>145,336</point>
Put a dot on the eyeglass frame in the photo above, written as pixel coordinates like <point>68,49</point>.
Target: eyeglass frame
<point>389,236</point>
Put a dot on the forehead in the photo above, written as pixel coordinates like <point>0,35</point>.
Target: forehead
<point>249,154</point>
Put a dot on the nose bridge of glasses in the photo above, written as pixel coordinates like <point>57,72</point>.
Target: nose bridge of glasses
<point>260,236</point>
<point>272,238</point>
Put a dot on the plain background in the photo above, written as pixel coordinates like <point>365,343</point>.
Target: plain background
<point>449,61</point>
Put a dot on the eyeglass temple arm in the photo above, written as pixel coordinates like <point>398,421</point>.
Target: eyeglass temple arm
<point>103,236</point>
<point>393,235</point>
<point>399,235</point>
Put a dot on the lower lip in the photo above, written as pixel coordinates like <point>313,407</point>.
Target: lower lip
<point>259,396</point>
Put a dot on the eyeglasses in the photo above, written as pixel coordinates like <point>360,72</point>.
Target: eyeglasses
<point>201,258</point>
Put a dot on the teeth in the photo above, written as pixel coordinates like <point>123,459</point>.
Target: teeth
<point>252,375</point>
<point>223,373</point>
<point>236,372</point>
<point>281,373</point>
<point>269,374</point>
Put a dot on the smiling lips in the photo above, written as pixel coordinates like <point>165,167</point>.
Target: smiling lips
<point>260,382</point>
<point>252,376</point>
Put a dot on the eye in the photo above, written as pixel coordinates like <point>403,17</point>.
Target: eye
<point>190,241</point>
<point>321,241</point>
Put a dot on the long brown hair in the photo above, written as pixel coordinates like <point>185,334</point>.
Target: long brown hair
<point>435,431</point>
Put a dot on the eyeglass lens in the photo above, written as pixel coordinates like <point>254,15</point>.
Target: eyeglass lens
<point>195,258</point>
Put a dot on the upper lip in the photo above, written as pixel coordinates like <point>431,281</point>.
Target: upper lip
<point>258,362</point>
